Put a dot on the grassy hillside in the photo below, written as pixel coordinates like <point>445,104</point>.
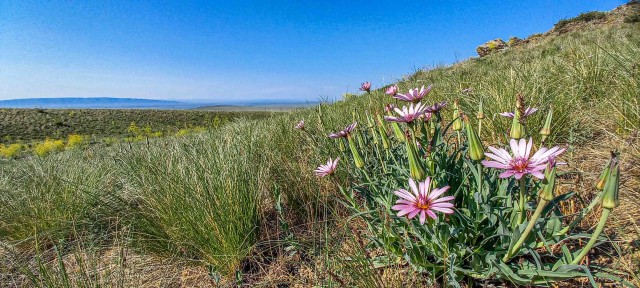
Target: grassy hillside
<point>240,205</point>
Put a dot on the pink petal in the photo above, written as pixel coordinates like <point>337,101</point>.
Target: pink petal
<point>493,164</point>
<point>437,192</point>
<point>432,215</point>
<point>443,199</point>
<point>537,174</point>
<point>443,210</point>
<point>528,149</point>
<point>442,205</point>
<point>506,174</point>
<point>501,153</point>
<point>414,213</point>
<point>414,188</point>
<point>514,147</point>
<point>422,217</point>
<point>497,158</point>
<point>405,194</point>
<point>522,148</point>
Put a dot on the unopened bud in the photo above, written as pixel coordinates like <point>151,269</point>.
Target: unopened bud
<point>612,186</point>
<point>546,129</point>
<point>383,132</point>
<point>517,129</point>
<point>602,180</point>
<point>476,150</point>
<point>457,123</point>
<point>480,114</point>
<point>354,151</point>
<point>415,166</point>
<point>550,181</point>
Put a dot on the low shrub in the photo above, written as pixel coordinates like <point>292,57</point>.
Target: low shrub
<point>11,151</point>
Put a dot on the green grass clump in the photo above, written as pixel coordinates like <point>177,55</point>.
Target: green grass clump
<point>584,17</point>
<point>43,199</point>
<point>197,197</point>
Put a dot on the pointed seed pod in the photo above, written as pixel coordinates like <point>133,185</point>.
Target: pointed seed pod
<point>383,133</point>
<point>354,151</point>
<point>415,166</point>
<point>546,129</point>
<point>476,150</point>
<point>610,199</point>
<point>517,124</point>
<point>480,114</point>
<point>550,178</point>
<point>602,180</point>
<point>457,123</point>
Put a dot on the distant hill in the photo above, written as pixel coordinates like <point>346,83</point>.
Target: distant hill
<point>134,103</point>
<point>96,103</point>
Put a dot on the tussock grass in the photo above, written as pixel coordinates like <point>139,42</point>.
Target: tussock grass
<point>197,198</point>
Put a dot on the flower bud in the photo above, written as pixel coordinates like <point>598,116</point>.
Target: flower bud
<point>372,128</point>
<point>517,124</point>
<point>610,199</point>
<point>602,180</point>
<point>457,123</point>
<point>480,114</point>
<point>354,151</point>
<point>383,133</point>
<point>415,166</point>
<point>550,181</point>
<point>476,150</point>
<point>517,129</point>
<point>546,129</point>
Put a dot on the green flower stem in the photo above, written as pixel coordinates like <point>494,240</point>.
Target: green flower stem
<point>594,236</point>
<point>523,236</point>
<point>341,145</point>
<point>480,176</point>
<point>581,216</point>
<point>480,127</point>
<point>521,203</point>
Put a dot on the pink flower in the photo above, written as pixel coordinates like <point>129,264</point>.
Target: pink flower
<point>520,164</point>
<point>435,108</point>
<point>414,95</point>
<point>422,200</point>
<point>300,125</point>
<point>527,112</point>
<point>327,169</point>
<point>389,108</point>
<point>345,132</point>
<point>366,86</point>
<point>392,90</point>
<point>407,115</point>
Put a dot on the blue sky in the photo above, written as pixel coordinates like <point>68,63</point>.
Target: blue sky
<point>218,51</point>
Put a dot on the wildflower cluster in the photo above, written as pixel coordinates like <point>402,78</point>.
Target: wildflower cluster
<point>446,205</point>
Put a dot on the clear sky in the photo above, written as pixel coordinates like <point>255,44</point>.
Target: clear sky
<point>241,50</point>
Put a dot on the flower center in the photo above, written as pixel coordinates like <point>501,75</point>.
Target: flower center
<point>423,203</point>
<point>520,164</point>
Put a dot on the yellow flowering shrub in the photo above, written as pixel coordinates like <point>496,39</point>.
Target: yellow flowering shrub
<point>10,151</point>
<point>48,146</point>
<point>75,140</point>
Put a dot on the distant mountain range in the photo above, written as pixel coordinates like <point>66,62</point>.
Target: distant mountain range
<point>129,103</point>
